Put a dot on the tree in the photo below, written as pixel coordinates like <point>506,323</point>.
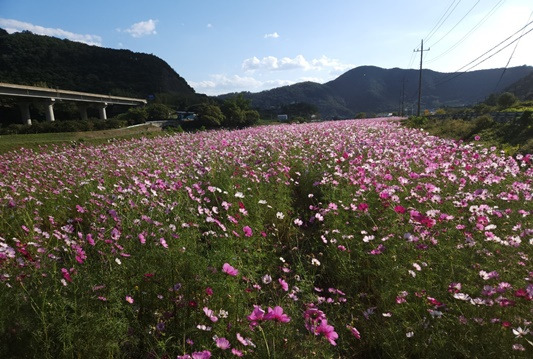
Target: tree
<point>251,117</point>
<point>136,115</point>
<point>233,114</point>
<point>506,100</point>
<point>237,112</point>
<point>208,115</point>
<point>158,111</point>
<point>492,100</point>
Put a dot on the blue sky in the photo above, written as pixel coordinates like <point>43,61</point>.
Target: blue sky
<point>247,45</point>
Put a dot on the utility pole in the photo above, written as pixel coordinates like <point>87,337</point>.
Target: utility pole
<point>420,77</point>
<point>403,96</point>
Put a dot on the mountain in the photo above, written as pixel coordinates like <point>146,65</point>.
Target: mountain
<point>523,88</point>
<point>373,89</point>
<point>29,59</point>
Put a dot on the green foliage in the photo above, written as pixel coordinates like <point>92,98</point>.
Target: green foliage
<point>65,126</point>
<point>136,115</point>
<point>208,115</point>
<point>33,59</point>
<point>512,137</point>
<point>301,109</point>
<point>158,111</point>
<point>237,112</point>
<point>506,100</point>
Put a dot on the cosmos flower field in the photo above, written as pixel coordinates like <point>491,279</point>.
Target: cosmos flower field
<point>330,240</point>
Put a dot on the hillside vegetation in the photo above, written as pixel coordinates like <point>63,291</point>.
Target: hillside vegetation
<point>28,59</point>
<point>476,124</point>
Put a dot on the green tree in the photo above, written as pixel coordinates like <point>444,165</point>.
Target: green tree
<point>251,117</point>
<point>136,115</point>
<point>506,100</point>
<point>208,115</point>
<point>492,100</point>
<point>158,111</point>
<point>233,114</point>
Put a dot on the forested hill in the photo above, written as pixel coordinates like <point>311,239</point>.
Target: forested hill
<point>523,89</point>
<point>29,59</point>
<point>373,89</point>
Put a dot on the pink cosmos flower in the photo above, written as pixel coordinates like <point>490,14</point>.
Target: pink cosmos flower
<point>206,354</point>
<point>277,315</point>
<point>328,331</point>
<point>399,209</point>
<point>228,269</point>
<point>257,315</point>
<point>354,331</point>
<point>129,299</point>
<point>283,284</point>
<point>363,207</point>
<point>236,352</point>
<point>247,231</point>
<point>142,238</point>
<point>66,274</point>
<point>222,343</point>
<point>209,313</point>
<point>90,239</point>
<point>244,341</point>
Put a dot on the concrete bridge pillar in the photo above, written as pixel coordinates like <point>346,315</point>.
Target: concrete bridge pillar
<point>101,109</point>
<point>50,110</point>
<point>25,112</point>
<point>82,107</point>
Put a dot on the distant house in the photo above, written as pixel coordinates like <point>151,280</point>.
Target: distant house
<point>283,118</point>
<point>186,116</point>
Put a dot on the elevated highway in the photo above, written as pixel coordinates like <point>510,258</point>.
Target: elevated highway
<point>25,95</point>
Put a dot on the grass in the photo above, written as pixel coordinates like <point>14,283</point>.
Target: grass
<point>512,137</point>
<point>36,141</point>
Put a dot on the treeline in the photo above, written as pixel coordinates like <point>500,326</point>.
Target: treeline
<point>233,112</point>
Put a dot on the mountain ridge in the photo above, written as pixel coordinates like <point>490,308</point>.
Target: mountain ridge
<point>374,89</point>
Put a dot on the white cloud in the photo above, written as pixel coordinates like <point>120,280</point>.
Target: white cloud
<point>12,26</point>
<point>142,28</point>
<point>221,84</point>
<point>311,79</point>
<point>271,63</point>
<point>209,26</point>
<point>274,35</point>
<point>334,64</point>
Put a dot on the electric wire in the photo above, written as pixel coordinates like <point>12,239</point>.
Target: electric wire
<point>457,73</point>
<point>469,11</point>
<point>441,20</point>
<point>510,57</point>
<point>460,41</point>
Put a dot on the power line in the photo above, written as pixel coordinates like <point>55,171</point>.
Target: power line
<point>441,20</point>
<point>510,57</point>
<point>481,22</point>
<point>457,73</point>
<point>469,11</point>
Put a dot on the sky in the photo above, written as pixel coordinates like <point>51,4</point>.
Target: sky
<point>223,46</point>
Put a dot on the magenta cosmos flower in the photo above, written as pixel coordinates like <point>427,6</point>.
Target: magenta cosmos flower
<point>247,231</point>
<point>228,269</point>
<point>328,331</point>
<point>277,314</point>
